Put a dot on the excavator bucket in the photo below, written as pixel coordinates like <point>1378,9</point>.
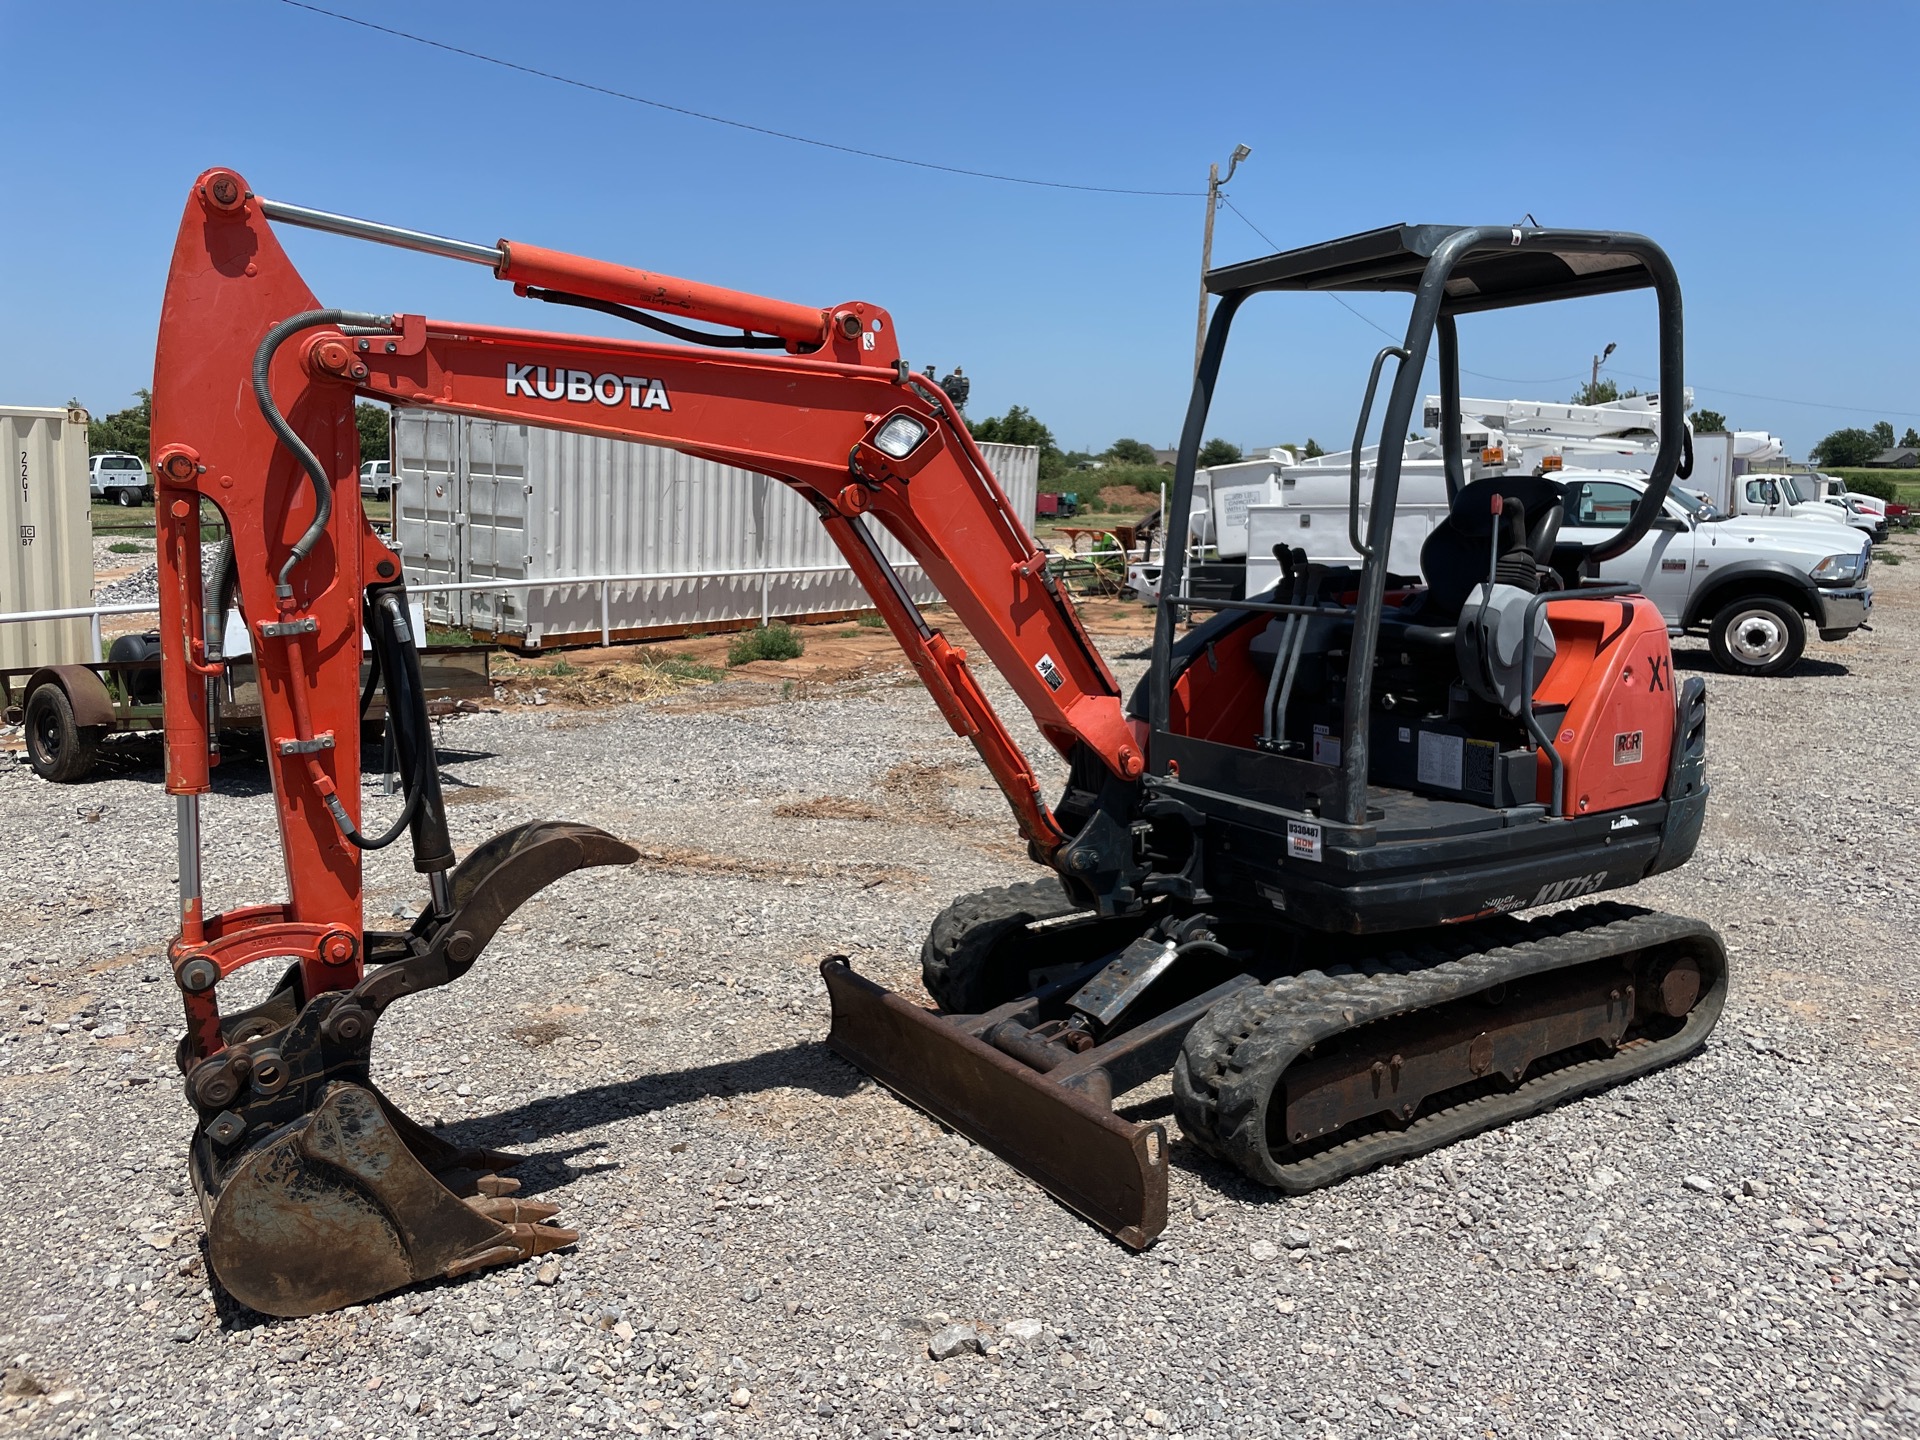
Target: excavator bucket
<point>1057,1128</point>
<point>317,1192</point>
<point>355,1200</point>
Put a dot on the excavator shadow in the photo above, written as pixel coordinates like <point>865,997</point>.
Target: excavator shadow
<point>807,1066</point>
<point>522,1129</point>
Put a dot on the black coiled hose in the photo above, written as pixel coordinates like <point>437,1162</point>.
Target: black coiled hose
<point>263,395</point>
<point>411,783</point>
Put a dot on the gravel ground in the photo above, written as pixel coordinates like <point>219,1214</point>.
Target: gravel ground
<point>771,1244</point>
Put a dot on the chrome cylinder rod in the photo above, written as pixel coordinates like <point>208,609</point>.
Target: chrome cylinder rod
<point>187,824</point>
<point>492,256</point>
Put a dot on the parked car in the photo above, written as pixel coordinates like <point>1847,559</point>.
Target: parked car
<point>376,479</point>
<point>1751,584</point>
<point>121,478</point>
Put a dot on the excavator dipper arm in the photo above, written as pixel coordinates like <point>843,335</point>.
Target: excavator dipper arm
<point>253,415</point>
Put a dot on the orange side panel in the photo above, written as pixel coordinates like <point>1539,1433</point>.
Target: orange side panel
<point>1219,695</point>
<point>1613,671</point>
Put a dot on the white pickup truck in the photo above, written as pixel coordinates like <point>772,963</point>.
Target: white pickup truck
<point>1798,497</point>
<point>120,478</point>
<point>1751,584</point>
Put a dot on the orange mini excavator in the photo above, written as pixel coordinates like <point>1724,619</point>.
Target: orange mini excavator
<point>1282,869</point>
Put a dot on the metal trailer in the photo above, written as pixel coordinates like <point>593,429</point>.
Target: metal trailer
<point>67,710</point>
<point>46,533</point>
<point>695,546</point>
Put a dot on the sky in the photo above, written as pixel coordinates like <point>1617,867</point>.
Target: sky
<point>1765,146</point>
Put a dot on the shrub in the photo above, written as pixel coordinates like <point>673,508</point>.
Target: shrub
<point>871,620</point>
<point>1880,487</point>
<point>125,547</point>
<point>778,641</point>
<point>685,667</point>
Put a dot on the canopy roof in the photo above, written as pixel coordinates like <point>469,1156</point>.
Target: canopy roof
<point>1515,265</point>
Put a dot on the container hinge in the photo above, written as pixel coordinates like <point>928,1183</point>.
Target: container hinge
<point>307,747</point>
<point>273,629</point>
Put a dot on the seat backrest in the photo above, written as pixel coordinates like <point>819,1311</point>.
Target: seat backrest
<point>1455,556</point>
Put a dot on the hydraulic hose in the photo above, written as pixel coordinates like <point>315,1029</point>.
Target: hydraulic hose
<point>742,341</point>
<point>413,732</point>
<point>411,779</point>
<point>215,613</point>
<point>263,395</point>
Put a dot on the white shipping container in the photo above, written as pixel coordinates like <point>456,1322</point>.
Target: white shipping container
<point>46,534</point>
<point>479,499</point>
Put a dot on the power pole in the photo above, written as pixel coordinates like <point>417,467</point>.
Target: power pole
<point>1214,182</point>
<point>1594,386</point>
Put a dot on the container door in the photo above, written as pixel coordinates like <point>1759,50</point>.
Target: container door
<point>426,504</point>
<point>493,520</point>
<point>46,535</point>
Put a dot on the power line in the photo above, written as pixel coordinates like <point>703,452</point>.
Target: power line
<point>1783,400</point>
<point>633,99</point>
<point>1366,320</point>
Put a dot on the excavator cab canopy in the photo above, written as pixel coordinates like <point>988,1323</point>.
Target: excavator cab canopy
<point>1449,271</point>
<point>1565,266</point>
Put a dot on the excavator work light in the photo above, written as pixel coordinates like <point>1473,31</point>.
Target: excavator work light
<point>898,438</point>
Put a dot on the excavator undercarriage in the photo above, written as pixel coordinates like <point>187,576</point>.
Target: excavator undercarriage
<point>1281,874</point>
<point>1299,1077</point>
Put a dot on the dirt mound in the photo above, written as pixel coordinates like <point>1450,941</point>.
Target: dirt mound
<point>1124,499</point>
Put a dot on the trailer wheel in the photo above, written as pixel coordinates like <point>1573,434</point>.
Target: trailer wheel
<point>56,747</point>
<point>1757,635</point>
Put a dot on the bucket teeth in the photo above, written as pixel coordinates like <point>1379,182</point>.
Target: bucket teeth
<point>521,1242</point>
<point>512,1212</point>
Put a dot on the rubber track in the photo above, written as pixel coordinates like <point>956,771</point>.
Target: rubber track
<point>964,936</point>
<point>1231,1058</point>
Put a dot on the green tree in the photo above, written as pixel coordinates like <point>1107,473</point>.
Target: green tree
<point>1882,433</point>
<point>1019,426</point>
<point>1601,393</point>
<point>126,432</point>
<point>374,422</point>
<point>1847,447</point>
<point>1912,437</point>
<point>1131,452</point>
<point>1219,452</point>
<point>1707,421</point>
<point>1313,449</point>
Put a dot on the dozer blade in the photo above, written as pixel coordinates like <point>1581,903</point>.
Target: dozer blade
<point>1067,1141</point>
<point>353,1201</point>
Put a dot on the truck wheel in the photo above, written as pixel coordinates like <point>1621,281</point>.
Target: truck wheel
<point>1758,635</point>
<point>56,748</point>
<point>127,497</point>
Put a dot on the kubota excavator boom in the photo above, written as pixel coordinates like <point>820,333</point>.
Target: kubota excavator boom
<point>1333,761</point>
<point>254,395</point>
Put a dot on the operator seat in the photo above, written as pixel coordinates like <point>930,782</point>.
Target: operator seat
<point>1473,610</point>
<point>1456,554</point>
